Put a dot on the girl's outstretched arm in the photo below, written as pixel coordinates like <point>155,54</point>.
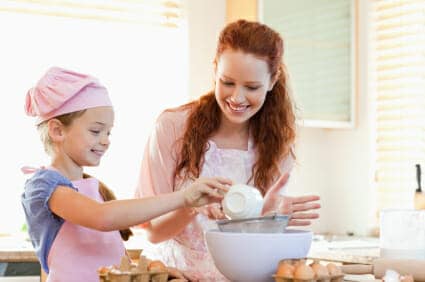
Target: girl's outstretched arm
<point>119,214</point>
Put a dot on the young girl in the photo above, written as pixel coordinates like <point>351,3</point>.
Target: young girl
<point>72,219</point>
<point>243,130</point>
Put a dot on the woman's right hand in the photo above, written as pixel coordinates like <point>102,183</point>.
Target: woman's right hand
<point>206,190</point>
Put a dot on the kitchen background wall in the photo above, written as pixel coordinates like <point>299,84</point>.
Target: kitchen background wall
<point>335,164</point>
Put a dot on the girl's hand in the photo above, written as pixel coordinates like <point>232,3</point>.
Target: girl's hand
<point>297,207</point>
<point>206,190</point>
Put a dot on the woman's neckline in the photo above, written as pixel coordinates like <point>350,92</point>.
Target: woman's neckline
<point>213,143</point>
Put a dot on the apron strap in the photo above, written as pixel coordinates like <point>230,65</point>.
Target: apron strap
<point>30,169</point>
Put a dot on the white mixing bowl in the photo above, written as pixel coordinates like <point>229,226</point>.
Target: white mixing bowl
<point>253,257</point>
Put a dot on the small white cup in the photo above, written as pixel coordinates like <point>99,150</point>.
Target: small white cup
<point>242,201</point>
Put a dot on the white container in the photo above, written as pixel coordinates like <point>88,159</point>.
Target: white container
<point>242,201</point>
<point>253,257</point>
<point>402,234</point>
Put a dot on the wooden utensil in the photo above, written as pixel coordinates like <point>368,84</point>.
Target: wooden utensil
<point>416,268</point>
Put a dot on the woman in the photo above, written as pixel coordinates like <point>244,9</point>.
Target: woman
<point>243,130</point>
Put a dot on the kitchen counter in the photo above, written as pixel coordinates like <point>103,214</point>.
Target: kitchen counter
<point>346,250</point>
<point>18,248</point>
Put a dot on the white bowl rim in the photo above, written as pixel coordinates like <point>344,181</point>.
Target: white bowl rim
<point>288,232</point>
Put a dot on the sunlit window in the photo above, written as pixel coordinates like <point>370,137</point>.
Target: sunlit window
<point>398,63</point>
<point>138,49</point>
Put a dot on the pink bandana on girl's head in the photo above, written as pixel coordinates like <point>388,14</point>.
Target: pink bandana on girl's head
<point>62,91</point>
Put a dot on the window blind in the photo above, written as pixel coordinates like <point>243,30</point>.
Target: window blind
<point>148,12</point>
<point>318,37</point>
<point>399,83</point>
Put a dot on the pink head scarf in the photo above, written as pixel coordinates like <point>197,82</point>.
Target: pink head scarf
<point>62,91</point>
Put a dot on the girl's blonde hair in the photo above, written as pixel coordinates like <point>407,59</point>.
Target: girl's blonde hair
<point>67,120</point>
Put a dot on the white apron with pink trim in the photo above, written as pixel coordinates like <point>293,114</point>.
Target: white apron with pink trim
<point>77,252</point>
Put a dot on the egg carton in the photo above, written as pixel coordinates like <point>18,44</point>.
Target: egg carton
<point>334,278</point>
<point>132,276</point>
<point>144,271</point>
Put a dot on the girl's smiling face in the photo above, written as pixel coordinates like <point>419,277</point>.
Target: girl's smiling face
<point>87,138</point>
<point>241,85</point>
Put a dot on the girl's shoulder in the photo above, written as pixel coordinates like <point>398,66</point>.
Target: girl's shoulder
<point>48,174</point>
<point>46,179</point>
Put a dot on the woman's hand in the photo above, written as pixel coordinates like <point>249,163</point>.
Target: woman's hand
<point>206,190</point>
<point>299,208</point>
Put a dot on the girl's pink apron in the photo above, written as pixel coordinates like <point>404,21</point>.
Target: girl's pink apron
<point>77,252</point>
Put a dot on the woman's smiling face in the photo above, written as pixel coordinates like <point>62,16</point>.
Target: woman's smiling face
<point>241,85</point>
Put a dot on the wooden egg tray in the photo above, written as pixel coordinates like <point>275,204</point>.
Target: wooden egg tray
<point>335,278</point>
<point>134,277</point>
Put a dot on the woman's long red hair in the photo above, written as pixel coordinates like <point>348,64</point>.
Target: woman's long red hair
<point>272,127</point>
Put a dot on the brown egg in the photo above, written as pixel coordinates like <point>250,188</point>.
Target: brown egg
<point>157,265</point>
<point>333,269</point>
<point>103,270</point>
<point>285,261</point>
<point>285,269</point>
<point>303,272</point>
<point>319,269</point>
<point>298,262</point>
<point>407,278</point>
